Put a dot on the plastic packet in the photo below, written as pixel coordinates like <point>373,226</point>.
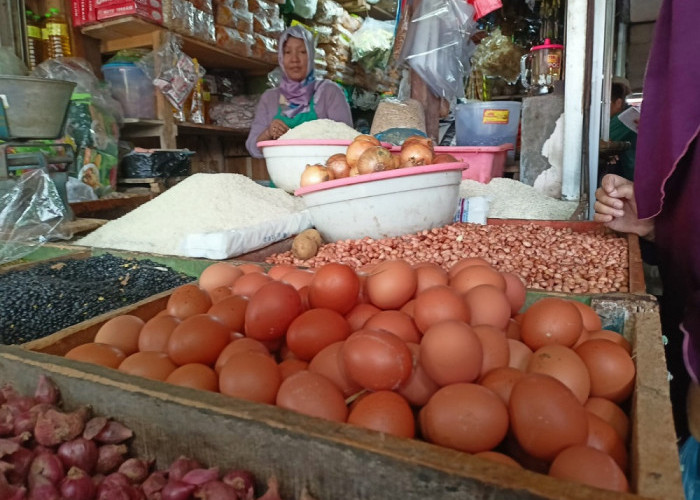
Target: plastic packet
<point>305,9</point>
<point>177,75</point>
<point>145,163</point>
<point>364,99</point>
<point>437,45</point>
<point>238,112</point>
<point>324,34</point>
<point>270,25</point>
<point>234,4</point>
<point>78,191</point>
<point>371,44</point>
<point>237,19</point>
<point>497,56</point>
<point>10,64</point>
<point>327,11</point>
<point>204,5</point>
<point>350,22</point>
<point>264,7</point>
<point>31,214</point>
<point>393,113</point>
<point>128,56</point>
<point>264,48</point>
<point>274,77</point>
<point>233,40</point>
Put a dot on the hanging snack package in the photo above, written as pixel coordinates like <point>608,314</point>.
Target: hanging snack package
<point>177,75</point>
<point>371,44</point>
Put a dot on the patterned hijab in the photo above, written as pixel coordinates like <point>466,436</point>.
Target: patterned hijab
<point>296,96</point>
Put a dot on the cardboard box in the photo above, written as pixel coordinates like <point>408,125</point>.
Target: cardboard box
<point>103,4</point>
<point>141,8</point>
<point>337,461</point>
<point>83,12</point>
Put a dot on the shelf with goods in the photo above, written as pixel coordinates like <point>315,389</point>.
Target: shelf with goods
<point>133,32</point>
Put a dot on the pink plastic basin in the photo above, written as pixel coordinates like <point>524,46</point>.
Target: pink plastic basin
<point>483,162</point>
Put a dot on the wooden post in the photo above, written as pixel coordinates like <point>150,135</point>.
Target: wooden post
<point>421,93</point>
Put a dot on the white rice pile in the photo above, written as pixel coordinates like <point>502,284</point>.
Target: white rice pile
<point>510,199</point>
<point>201,203</point>
<point>321,129</point>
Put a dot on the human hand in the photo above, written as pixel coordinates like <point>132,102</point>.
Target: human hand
<point>616,207</point>
<point>276,129</point>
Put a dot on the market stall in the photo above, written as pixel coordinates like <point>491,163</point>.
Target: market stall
<point>379,309</point>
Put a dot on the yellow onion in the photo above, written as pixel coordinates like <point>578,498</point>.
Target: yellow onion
<point>314,174</point>
<point>358,146</point>
<point>444,158</point>
<point>415,154</point>
<point>425,141</point>
<point>338,165</point>
<point>375,159</point>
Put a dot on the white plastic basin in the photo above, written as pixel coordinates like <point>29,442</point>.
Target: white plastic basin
<point>384,204</point>
<point>287,159</point>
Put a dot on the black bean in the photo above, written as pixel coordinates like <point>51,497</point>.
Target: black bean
<point>50,296</point>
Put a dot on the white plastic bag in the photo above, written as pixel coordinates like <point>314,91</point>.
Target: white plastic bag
<point>227,244</point>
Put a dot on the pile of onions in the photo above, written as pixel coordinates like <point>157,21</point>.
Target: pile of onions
<point>49,454</point>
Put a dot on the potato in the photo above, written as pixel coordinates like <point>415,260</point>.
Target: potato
<point>314,235</point>
<point>304,247</point>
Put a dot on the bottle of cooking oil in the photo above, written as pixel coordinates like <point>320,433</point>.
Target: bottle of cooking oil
<point>197,111</point>
<point>33,40</point>
<point>58,34</point>
<point>44,36</point>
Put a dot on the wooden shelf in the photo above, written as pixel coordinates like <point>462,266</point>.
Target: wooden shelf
<point>130,32</point>
<point>197,129</point>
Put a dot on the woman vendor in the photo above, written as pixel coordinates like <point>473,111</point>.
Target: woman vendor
<point>300,98</point>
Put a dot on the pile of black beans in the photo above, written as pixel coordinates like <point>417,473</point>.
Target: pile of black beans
<point>53,295</point>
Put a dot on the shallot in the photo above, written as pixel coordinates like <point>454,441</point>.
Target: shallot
<point>46,391</point>
<point>135,469</point>
<point>182,466</point>
<point>43,489</point>
<point>215,490</point>
<point>77,485</point>
<point>153,485</point>
<point>177,490</point>
<point>110,457</point>
<point>20,460</point>
<point>54,427</point>
<point>113,433</point>
<point>242,482</point>
<point>199,477</point>
<point>79,452</point>
<point>94,426</point>
<point>45,466</point>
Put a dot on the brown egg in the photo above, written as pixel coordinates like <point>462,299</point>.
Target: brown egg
<point>565,365</point>
<point>409,308</point>
<point>198,339</point>
<point>384,411</point>
<point>545,416</point>
<point>472,276</point>
<point>495,456</point>
<point>231,312</point>
<point>487,305</point>
<point>520,355</point>
<point>591,320</point>
<point>220,293</point>
<point>586,465</point>
<point>122,332</point>
<point>396,322</point>
<point>155,333</point>
<point>188,300</point>
<point>451,352</point>
<point>377,360</point>
<point>391,284</point>
<point>515,291</point>
<point>277,272</point>
<point>501,381</point>
<point>437,304</point>
<point>466,262</point>
<point>611,368</point>
<point>603,437</point>
<point>217,275</point>
<point>248,284</point>
<point>551,321</point>
<point>251,268</point>
<point>315,329</point>
<point>465,417</point>
<point>314,395</point>
<point>513,329</point>
<point>194,376</point>
<point>289,367</point>
<point>428,275</point>
<point>329,363</point>
<point>298,278</point>
<point>271,310</point>
<point>611,413</point>
<point>419,387</point>
<point>98,354</point>
<point>334,286</point>
<point>612,336</point>
<point>494,346</point>
<point>359,314</point>
<point>243,344</point>
<point>148,364</point>
<point>250,375</point>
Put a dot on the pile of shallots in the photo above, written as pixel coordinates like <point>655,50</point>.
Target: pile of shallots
<point>49,454</point>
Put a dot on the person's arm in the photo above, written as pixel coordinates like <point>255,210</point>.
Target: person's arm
<point>259,129</point>
<point>331,103</point>
<point>616,207</point>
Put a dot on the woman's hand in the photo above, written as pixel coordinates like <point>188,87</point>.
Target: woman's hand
<point>276,129</point>
<point>616,207</point>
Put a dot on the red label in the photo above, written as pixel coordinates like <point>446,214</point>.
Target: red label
<point>483,7</point>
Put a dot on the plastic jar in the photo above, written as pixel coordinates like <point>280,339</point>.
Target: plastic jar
<point>132,88</point>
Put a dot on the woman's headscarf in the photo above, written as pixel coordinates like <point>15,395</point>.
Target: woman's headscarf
<point>297,95</point>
